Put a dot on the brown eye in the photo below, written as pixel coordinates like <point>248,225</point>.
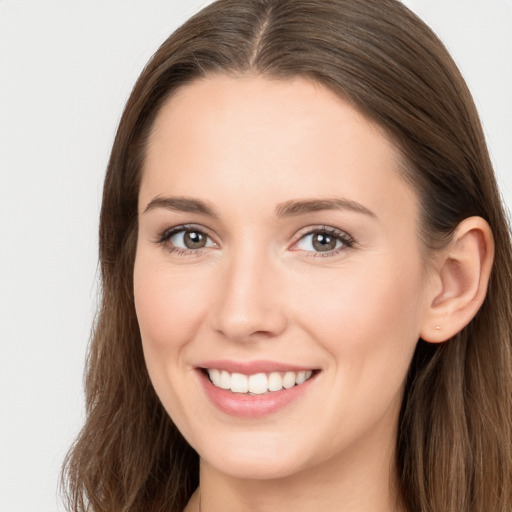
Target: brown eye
<point>323,242</point>
<point>194,240</point>
<point>328,241</point>
<point>187,239</point>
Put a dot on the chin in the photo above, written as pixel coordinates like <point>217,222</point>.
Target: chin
<point>261,469</point>
<point>254,460</point>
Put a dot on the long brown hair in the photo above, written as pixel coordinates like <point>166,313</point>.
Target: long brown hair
<point>454,445</point>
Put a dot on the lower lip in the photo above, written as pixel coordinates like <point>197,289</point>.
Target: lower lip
<point>252,406</point>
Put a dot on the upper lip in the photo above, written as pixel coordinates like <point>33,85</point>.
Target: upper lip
<point>252,367</point>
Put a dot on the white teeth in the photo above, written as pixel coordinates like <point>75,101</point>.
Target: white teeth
<point>215,376</point>
<point>275,382</point>
<point>301,377</point>
<point>239,383</point>
<point>258,383</point>
<point>289,380</point>
<point>224,380</point>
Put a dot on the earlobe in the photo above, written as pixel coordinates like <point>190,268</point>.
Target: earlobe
<point>462,277</point>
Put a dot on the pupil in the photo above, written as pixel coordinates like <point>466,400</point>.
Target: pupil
<point>323,242</point>
<point>194,240</point>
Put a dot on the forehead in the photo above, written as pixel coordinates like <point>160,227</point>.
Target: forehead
<point>262,113</point>
<point>273,139</point>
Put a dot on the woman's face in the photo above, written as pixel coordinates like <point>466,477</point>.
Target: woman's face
<point>277,242</point>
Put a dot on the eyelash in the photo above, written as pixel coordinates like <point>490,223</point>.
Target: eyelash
<point>346,240</point>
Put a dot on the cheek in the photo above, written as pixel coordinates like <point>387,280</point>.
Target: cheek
<point>169,307</point>
<point>168,304</point>
<point>367,318</point>
<point>367,321</point>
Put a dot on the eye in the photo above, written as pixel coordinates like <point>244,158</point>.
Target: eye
<point>184,238</point>
<point>325,240</point>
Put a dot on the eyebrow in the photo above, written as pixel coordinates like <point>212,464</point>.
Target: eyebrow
<point>296,208</point>
<point>292,208</point>
<point>182,204</point>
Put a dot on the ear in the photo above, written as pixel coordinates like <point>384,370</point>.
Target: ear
<point>458,284</point>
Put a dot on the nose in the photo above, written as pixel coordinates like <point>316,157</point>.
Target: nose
<point>250,301</point>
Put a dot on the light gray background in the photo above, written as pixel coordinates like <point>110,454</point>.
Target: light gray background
<point>66,69</point>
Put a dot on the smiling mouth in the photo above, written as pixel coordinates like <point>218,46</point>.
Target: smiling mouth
<point>258,383</point>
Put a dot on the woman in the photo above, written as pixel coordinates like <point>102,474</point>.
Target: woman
<point>306,275</point>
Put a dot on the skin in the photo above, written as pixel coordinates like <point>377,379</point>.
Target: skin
<point>259,290</point>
